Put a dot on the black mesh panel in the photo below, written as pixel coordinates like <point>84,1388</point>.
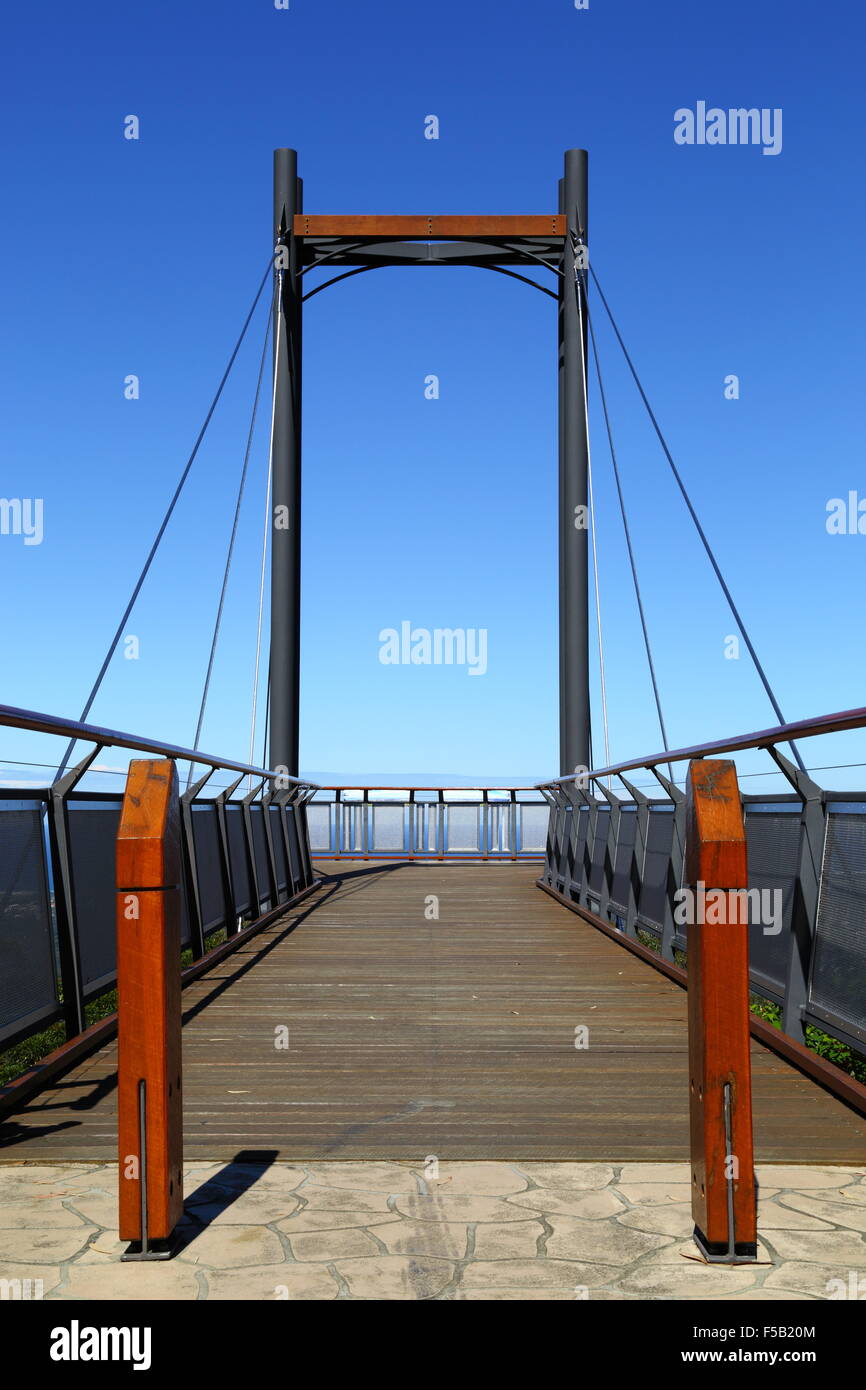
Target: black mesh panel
<point>773,845</point>
<point>653,893</point>
<point>92,840</point>
<point>839,969</point>
<point>27,980</point>
<point>205,833</point>
<point>622,862</point>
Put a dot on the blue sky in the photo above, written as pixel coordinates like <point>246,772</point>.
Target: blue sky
<point>123,257</point>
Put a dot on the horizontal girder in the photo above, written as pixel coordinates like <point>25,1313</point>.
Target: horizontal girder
<point>421,228</point>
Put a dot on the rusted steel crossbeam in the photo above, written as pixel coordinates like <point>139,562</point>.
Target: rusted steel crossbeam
<point>408,228</point>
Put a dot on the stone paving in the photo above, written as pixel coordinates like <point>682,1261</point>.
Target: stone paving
<point>478,1231</point>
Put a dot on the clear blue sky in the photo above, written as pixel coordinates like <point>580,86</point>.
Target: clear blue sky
<point>141,257</point>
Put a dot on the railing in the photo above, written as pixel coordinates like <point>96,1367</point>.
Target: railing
<point>243,858</point>
<point>620,857</point>
<point>428,823</point>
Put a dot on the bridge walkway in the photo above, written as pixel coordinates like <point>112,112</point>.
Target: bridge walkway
<point>362,1026</point>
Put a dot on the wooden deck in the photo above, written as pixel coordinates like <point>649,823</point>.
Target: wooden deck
<point>410,1036</point>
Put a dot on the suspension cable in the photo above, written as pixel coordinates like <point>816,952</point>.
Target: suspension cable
<point>161,532</point>
<point>627,530</point>
<point>700,530</point>
<point>231,546</point>
<point>279,300</point>
<point>583,366</point>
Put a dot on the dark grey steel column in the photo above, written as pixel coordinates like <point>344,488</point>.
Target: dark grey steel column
<point>574,717</point>
<point>286,484</point>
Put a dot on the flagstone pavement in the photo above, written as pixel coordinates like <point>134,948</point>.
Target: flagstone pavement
<point>471,1232</point>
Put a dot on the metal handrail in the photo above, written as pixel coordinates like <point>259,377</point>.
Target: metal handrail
<point>767,738</point>
<point>13,717</point>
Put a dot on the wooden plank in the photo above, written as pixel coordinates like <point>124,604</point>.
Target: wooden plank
<point>377,228</point>
<point>724,1203</point>
<point>64,1058</point>
<point>149,1112</point>
<point>454,1036</point>
<point>838,1082</point>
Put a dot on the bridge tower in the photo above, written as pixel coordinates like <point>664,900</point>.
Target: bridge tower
<point>285,677</point>
<point>559,242</point>
<point>574,713</point>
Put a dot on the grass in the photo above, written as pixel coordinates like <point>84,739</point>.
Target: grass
<point>843,1056</point>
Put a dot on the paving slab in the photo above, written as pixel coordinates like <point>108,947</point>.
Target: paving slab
<point>393,1231</point>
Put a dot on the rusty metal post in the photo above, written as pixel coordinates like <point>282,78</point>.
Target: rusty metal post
<point>149,1115</point>
<point>720,1087</point>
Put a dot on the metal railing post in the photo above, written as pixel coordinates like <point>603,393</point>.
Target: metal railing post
<point>74,1012</point>
<point>807,892</point>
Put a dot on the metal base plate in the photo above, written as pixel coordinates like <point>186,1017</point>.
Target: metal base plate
<point>715,1253</point>
<point>157,1250</point>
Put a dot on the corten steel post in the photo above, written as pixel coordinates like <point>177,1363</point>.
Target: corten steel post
<point>149,1115</point>
<point>286,475</point>
<point>574,718</point>
<point>720,1087</point>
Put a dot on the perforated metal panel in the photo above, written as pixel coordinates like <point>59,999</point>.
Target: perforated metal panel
<point>282,866</point>
<point>653,894</point>
<point>241,888</point>
<point>599,845</point>
<point>533,826</point>
<point>206,839</point>
<point>838,982</point>
<point>564,844</point>
<point>623,858</point>
<point>581,830</point>
<point>319,821</point>
<point>92,838</point>
<point>27,981</point>
<point>463,828</point>
<point>387,828</point>
<point>294,851</point>
<point>773,845</point>
<point>260,852</point>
